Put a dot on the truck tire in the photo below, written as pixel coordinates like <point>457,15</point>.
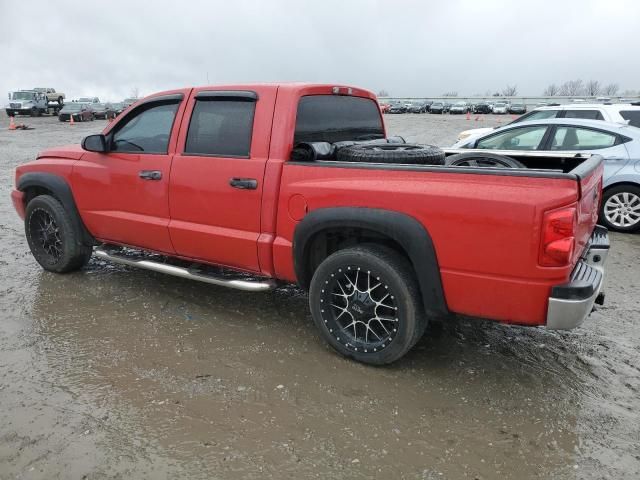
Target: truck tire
<point>60,101</point>
<point>482,159</point>
<point>403,153</point>
<point>620,209</point>
<point>366,303</point>
<point>54,239</point>
<point>34,112</point>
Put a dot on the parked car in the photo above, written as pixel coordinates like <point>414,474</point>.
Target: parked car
<point>437,107</point>
<point>618,144</point>
<point>81,112</point>
<point>501,108</point>
<point>397,108</point>
<point>129,101</point>
<point>381,247</point>
<point>459,108</point>
<point>517,108</point>
<point>87,100</point>
<point>419,107</point>
<point>447,107</point>
<point>482,107</point>
<point>118,107</point>
<point>100,110</point>
<point>618,113</point>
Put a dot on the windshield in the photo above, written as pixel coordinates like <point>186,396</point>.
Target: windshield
<point>72,107</point>
<point>22,96</point>
<point>437,104</point>
<point>500,104</point>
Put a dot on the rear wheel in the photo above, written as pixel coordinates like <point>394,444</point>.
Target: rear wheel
<point>621,208</point>
<point>366,303</point>
<point>54,238</point>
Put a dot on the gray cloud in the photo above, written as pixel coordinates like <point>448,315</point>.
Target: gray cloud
<point>410,48</point>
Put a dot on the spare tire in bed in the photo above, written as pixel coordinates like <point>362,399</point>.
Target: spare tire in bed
<point>401,153</point>
<point>482,159</point>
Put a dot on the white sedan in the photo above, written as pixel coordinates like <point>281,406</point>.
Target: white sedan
<point>618,144</point>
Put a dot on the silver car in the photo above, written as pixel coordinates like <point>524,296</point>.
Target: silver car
<point>618,144</point>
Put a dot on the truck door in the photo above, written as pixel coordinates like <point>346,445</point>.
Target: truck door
<point>123,195</point>
<point>215,192</point>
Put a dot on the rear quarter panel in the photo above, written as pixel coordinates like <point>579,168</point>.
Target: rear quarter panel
<point>485,228</point>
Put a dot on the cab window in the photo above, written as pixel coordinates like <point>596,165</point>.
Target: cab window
<point>571,138</point>
<point>147,130</point>
<point>537,115</point>
<point>221,127</point>
<point>523,138</point>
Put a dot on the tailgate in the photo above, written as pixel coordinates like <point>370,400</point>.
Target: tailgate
<point>589,176</point>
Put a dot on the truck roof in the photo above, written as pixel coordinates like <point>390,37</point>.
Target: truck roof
<point>293,87</point>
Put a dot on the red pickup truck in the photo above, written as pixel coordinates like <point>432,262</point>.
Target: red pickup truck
<point>212,184</point>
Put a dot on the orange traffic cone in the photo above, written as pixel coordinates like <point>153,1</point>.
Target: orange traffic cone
<point>468,115</point>
<point>12,123</point>
<point>71,122</point>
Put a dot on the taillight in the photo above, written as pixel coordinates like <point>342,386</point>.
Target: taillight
<point>558,237</point>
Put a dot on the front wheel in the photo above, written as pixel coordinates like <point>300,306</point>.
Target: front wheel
<point>620,209</point>
<point>366,303</point>
<point>53,237</point>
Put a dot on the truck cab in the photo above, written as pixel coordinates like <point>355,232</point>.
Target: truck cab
<point>26,102</point>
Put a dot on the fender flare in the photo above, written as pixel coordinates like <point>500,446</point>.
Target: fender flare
<point>59,187</point>
<point>405,230</point>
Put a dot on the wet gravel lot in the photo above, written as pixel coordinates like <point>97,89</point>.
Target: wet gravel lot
<point>114,373</point>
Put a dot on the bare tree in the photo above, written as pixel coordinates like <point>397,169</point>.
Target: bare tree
<point>611,89</point>
<point>551,91</point>
<point>450,94</point>
<point>135,91</point>
<point>383,93</point>
<point>510,91</point>
<point>630,93</point>
<point>592,88</point>
<point>572,88</point>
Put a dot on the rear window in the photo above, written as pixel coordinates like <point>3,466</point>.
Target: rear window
<point>585,114</point>
<point>335,118</point>
<point>633,116</point>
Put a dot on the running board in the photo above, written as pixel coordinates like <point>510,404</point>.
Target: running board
<point>190,273</point>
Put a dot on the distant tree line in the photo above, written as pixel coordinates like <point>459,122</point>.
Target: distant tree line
<point>574,88</point>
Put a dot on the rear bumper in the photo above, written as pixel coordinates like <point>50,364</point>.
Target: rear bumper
<point>572,302</point>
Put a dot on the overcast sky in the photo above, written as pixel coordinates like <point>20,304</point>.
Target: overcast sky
<point>409,48</point>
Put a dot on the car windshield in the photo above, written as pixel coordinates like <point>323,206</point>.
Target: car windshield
<point>500,104</point>
<point>437,104</point>
<point>72,107</point>
<point>22,96</point>
<point>519,105</point>
<point>84,99</point>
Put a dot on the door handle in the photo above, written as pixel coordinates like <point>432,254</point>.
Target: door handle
<point>243,183</point>
<point>150,174</point>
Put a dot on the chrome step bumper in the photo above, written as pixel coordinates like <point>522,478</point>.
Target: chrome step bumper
<point>192,272</point>
<point>571,303</point>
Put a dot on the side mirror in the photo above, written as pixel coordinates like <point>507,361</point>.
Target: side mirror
<point>95,143</point>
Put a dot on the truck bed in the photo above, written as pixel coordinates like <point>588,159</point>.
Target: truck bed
<point>475,216</point>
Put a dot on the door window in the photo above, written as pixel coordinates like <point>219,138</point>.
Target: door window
<point>221,128</point>
<point>523,138</point>
<point>571,138</point>
<point>148,130</point>
<point>586,114</point>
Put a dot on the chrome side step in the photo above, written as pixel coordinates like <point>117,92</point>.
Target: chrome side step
<point>190,273</point>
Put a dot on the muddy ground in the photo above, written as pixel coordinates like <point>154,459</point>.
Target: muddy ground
<point>117,373</point>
